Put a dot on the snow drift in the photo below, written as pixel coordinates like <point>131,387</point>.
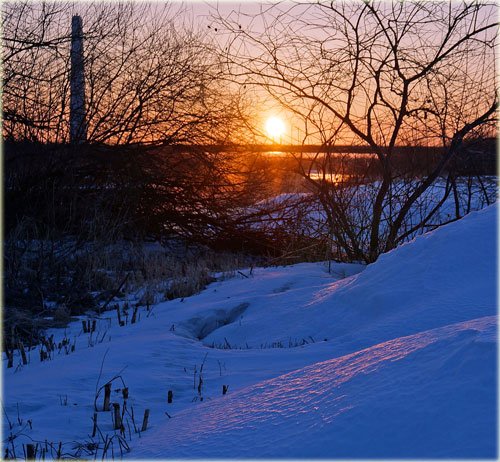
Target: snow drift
<point>431,394</point>
<point>446,276</point>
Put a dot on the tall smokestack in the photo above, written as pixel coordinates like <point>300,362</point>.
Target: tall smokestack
<point>78,125</point>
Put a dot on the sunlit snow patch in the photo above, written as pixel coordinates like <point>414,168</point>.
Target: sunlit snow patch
<point>432,394</point>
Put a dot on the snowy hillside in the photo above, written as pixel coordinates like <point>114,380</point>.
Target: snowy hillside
<point>427,395</point>
<point>397,359</point>
<point>445,276</point>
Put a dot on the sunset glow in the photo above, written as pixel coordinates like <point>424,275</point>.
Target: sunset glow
<point>275,128</point>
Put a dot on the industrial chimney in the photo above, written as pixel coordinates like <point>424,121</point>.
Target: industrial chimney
<point>78,124</point>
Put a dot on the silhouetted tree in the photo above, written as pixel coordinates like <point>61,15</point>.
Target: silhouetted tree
<point>149,76</point>
<point>378,74</point>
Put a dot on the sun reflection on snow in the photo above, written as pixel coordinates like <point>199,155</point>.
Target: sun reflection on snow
<point>327,291</point>
<point>316,392</point>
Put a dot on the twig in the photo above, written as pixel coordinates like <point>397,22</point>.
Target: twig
<point>101,309</point>
<point>100,373</point>
<point>6,416</point>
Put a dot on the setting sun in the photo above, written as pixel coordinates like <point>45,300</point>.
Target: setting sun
<point>275,128</point>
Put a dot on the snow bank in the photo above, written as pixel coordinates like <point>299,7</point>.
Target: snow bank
<point>446,276</point>
<point>427,395</point>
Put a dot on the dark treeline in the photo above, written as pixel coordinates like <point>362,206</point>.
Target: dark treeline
<point>476,157</point>
<point>122,192</point>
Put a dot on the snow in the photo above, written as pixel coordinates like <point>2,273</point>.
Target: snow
<point>408,397</point>
<point>445,276</point>
<point>397,359</point>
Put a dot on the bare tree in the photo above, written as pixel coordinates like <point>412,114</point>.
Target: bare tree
<point>376,74</point>
<point>150,78</point>
<point>32,94</point>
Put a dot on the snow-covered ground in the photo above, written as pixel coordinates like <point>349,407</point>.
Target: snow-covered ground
<point>397,359</point>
